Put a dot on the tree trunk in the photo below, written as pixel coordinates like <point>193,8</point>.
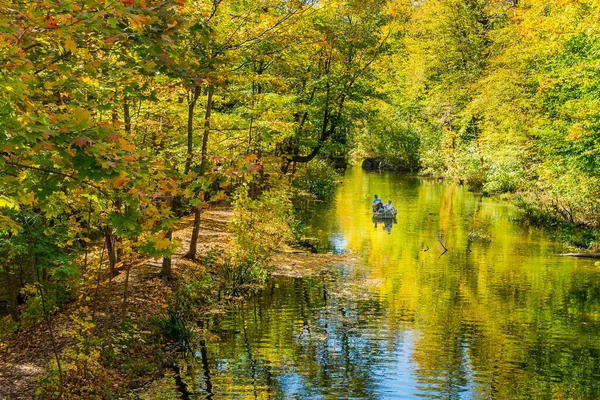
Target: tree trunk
<point>190,130</point>
<point>209,103</point>
<point>13,292</point>
<point>126,115</point>
<point>582,255</point>
<point>191,254</point>
<point>166,273</point>
<point>110,249</point>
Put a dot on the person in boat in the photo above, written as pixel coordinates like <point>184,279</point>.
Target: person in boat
<point>377,204</point>
<point>389,207</point>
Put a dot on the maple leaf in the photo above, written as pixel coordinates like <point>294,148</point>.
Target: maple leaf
<point>70,45</point>
<point>249,158</point>
<point>114,137</point>
<point>82,141</point>
<point>81,114</point>
<point>120,181</point>
<point>254,168</point>
<point>51,22</point>
<point>43,146</point>
<point>162,243</point>
<point>125,145</point>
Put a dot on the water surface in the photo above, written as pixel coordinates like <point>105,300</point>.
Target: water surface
<point>497,315</point>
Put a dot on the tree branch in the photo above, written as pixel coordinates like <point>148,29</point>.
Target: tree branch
<point>51,171</point>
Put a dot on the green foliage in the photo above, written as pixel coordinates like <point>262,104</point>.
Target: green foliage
<point>260,226</point>
<point>497,96</point>
<point>298,229</point>
<point>101,106</point>
<point>173,325</point>
<point>385,132</point>
<point>468,167</point>
<point>553,215</point>
<point>317,178</point>
<point>234,275</point>
<point>193,291</point>
<point>8,328</point>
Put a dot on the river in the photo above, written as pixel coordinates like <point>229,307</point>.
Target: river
<point>497,315</point>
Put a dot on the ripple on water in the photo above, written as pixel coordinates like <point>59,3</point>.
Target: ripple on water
<point>496,316</point>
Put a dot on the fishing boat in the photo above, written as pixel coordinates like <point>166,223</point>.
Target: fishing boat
<point>385,214</point>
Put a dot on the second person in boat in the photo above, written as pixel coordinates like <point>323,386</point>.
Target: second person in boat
<point>389,208</point>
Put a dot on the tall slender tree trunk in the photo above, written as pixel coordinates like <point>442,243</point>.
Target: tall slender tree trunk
<point>13,292</point>
<point>190,129</point>
<point>126,115</point>
<point>191,254</point>
<point>110,249</point>
<point>166,273</point>
<point>206,133</point>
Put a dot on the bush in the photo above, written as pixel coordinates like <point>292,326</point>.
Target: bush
<point>174,327</point>
<point>504,177</point>
<point>318,178</point>
<point>468,168</point>
<point>233,275</point>
<point>260,226</point>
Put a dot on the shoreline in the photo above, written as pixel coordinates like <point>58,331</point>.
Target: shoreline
<point>25,356</point>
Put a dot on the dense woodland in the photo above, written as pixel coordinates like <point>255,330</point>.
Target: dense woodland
<point>119,118</point>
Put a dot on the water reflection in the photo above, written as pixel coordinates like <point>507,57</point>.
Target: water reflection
<point>495,315</point>
<point>386,223</point>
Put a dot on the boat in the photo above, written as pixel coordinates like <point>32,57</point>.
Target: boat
<point>385,214</point>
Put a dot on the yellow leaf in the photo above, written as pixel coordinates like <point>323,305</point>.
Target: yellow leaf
<point>70,45</point>
<point>8,225</point>
<point>125,145</point>
<point>81,114</point>
<point>9,203</point>
<point>149,66</point>
<point>162,243</point>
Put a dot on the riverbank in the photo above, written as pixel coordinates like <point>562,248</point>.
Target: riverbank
<point>141,354</point>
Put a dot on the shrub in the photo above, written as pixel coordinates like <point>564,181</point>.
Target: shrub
<point>260,226</point>
<point>173,326</point>
<point>467,167</point>
<point>318,178</point>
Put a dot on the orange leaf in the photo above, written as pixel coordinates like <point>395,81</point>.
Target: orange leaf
<point>120,181</point>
